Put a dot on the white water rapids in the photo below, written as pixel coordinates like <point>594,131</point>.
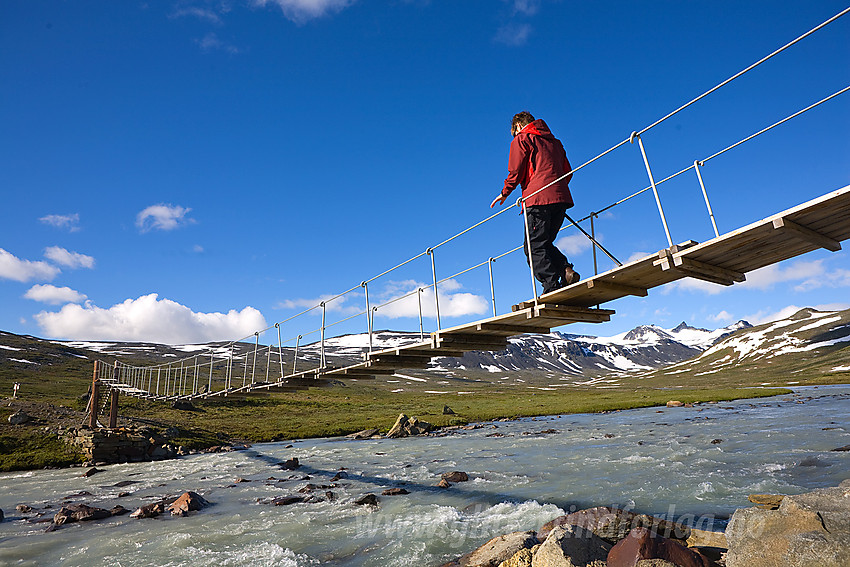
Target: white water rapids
<point>655,460</point>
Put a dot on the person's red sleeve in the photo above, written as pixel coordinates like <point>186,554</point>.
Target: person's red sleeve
<point>517,166</point>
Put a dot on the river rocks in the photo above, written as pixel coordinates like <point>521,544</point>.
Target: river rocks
<point>290,499</point>
<point>807,529</point>
<point>675,404</point>
<point>571,546</point>
<point>149,511</point>
<point>79,513</point>
<point>496,551</point>
<point>2,517</point>
<point>290,464</point>
<point>187,502</point>
<point>20,417</point>
<point>522,558</point>
<point>444,484</point>
<point>365,434</point>
<point>766,501</point>
<point>407,426</point>
<point>91,472</point>
<point>24,508</point>
<point>394,492</point>
<point>613,524</point>
<point>367,500</point>
<point>843,449</point>
<point>455,476</point>
<point>642,543</point>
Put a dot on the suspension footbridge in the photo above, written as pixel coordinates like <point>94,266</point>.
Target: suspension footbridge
<point>248,365</point>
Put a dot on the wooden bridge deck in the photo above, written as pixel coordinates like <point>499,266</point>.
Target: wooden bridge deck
<point>820,223</point>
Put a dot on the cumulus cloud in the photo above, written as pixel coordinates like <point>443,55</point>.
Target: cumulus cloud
<point>66,222</point>
<point>148,319</point>
<point>453,302</point>
<point>54,295</point>
<point>301,11</point>
<point>811,273</point>
<point>14,268</point>
<point>68,259</point>
<point>513,34</point>
<point>722,317</point>
<point>575,244</point>
<point>162,217</point>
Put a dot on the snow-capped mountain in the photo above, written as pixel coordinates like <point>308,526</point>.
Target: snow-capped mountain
<point>809,338</point>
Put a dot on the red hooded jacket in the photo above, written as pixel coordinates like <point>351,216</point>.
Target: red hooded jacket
<point>537,158</point>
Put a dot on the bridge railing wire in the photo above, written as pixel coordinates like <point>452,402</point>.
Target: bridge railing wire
<point>138,380</point>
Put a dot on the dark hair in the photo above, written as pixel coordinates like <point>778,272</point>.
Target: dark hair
<point>521,120</point>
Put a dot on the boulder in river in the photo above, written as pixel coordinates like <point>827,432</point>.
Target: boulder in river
<point>613,524</point>
<point>394,492</point>
<point>455,476</point>
<point>188,502</point>
<point>407,426</point>
<point>496,551</point>
<point>807,529</point>
<point>365,434</point>
<point>367,500</point>
<point>79,513</point>
<point>642,543</point>
<point>149,511</point>
<point>570,546</point>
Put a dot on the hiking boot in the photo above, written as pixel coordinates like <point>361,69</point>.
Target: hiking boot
<point>570,275</point>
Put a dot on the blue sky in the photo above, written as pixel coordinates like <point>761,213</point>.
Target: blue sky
<point>182,171</point>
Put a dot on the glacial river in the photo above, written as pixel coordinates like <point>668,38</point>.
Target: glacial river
<point>696,464</point>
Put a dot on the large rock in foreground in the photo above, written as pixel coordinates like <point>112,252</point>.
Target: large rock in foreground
<point>807,529</point>
<point>571,546</point>
<point>496,551</point>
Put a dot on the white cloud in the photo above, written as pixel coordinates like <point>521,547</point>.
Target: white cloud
<point>767,277</point>
<point>202,14</point>
<point>525,7</point>
<point>68,259</point>
<point>13,268</point>
<point>148,319</point>
<point>162,217</point>
<point>301,11</point>
<point>722,317</point>
<point>54,295</point>
<point>453,303</point>
<point>68,222</point>
<point>513,34</point>
<point>338,305</point>
<point>838,278</point>
<point>575,244</point>
<point>211,42</point>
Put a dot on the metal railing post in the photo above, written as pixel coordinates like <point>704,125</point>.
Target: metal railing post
<point>268,362</point>
<point>421,326</point>
<point>636,136</point>
<point>369,322</point>
<point>521,203</point>
<point>158,372</point>
<point>295,358</point>
<point>279,350</point>
<point>324,313</point>
<point>228,371</point>
<point>212,363</point>
<point>697,165</point>
<point>430,252</point>
<point>592,244</point>
<point>492,286</point>
<point>254,363</point>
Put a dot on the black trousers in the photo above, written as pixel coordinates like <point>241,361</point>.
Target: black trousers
<point>548,263</point>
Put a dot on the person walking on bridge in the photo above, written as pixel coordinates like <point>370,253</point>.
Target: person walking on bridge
<point>538,162</point>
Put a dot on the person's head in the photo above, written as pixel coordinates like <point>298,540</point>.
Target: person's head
<point>520,121</point>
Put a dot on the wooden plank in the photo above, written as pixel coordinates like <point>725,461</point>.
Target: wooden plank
<point>784,223</point>
<point>685,263</point>
<point>606,285</point>
<point>512,329</point>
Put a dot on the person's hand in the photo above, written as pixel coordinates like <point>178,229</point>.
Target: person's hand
<point>500,199</point>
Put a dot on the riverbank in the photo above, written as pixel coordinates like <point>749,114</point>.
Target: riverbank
<point>699,462</point>
<point>317,413</point>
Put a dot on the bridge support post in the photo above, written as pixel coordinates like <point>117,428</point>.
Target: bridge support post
<point>636,136</point>
<point>113,408</point>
